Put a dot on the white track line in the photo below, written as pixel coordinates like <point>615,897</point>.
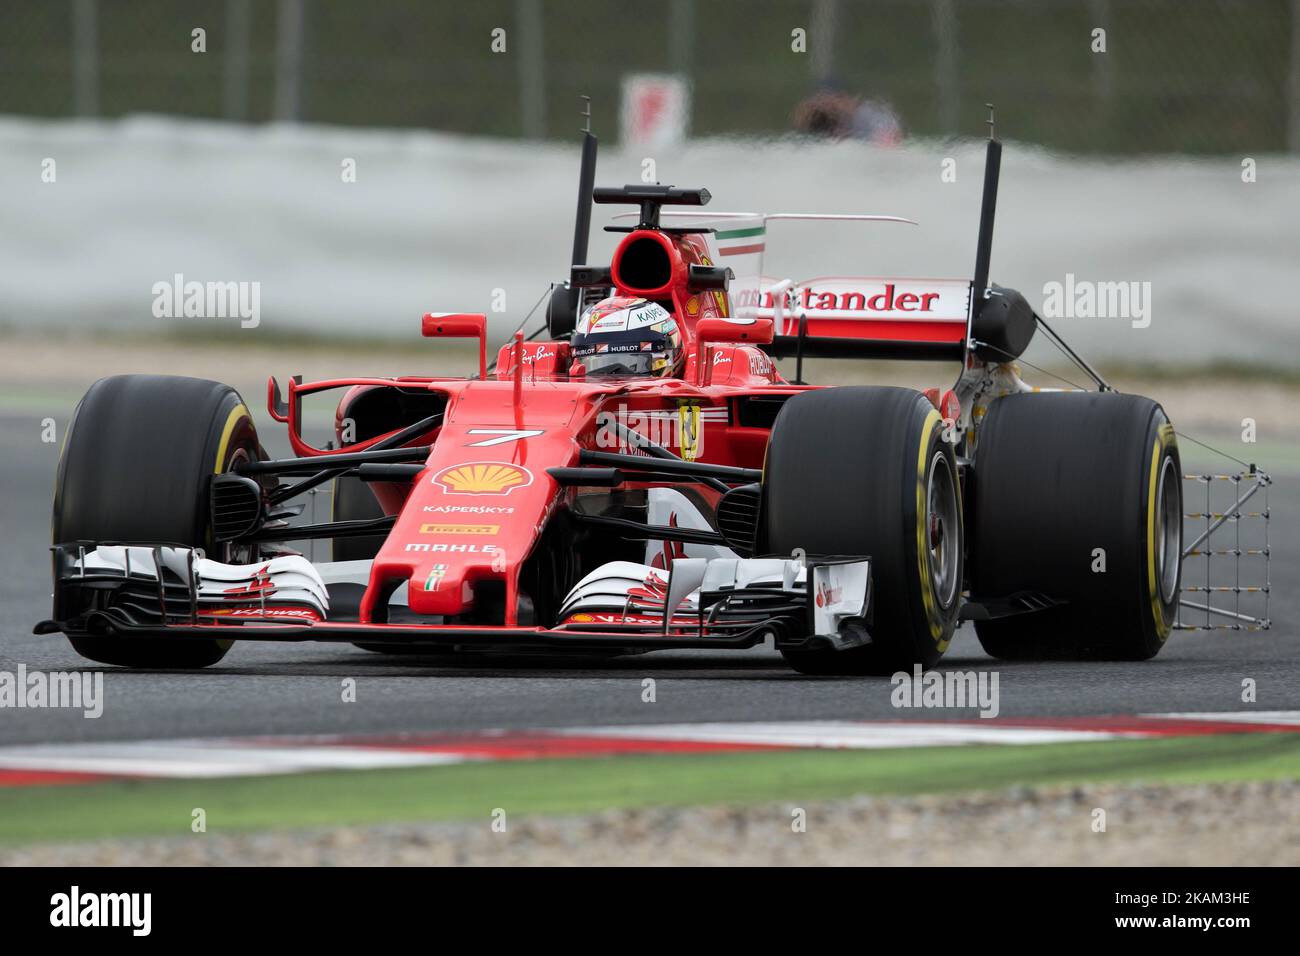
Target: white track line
<point>833,734</point>
<point>199,759</point>
<point>1291,717</point>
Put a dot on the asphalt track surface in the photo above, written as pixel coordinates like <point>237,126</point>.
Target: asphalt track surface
<point>297,688</point>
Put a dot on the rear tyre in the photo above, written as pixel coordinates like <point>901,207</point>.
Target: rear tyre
<point>136,464</point>
<point>1078,496</point>
<point>866,471</point>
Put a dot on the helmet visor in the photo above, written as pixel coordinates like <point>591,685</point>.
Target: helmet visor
<point>639,352</point>
<point>637,363</point>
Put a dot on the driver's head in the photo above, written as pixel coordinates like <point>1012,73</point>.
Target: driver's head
<point>623,335</point>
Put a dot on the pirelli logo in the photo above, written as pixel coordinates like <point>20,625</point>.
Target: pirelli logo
<point>485,529</point>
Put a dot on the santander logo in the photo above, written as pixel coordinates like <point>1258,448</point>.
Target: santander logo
<point>846,297</point>
<point>887,300</point>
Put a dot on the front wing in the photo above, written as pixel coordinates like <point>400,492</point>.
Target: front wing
<point>157,590</point>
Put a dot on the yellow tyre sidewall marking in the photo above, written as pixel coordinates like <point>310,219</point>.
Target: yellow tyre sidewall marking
<point>928,598</point>
<point>1164,438</point>
<point>236,413</point>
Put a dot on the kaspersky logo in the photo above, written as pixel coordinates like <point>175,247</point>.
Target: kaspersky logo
<point>422,548</point>
<point>483,478</point>
<point>468,510</point>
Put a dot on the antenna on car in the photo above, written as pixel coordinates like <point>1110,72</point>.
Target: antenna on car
<point>988,206</point>
<point>586,182</point>
<point>980,290</point>
<point>562,310</point>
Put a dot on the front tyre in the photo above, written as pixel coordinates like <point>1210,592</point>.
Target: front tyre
<point>135,467</point>
<point>866,471</point>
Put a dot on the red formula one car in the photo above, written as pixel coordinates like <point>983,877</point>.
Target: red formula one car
<point>643,479</point>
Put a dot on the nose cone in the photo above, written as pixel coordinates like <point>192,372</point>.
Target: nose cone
<point>473,515</point>
<point>463,523</point>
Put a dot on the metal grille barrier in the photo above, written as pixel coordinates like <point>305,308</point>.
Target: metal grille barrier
<point>1226,581</point>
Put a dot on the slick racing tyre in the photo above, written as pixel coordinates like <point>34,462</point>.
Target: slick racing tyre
<point>1077,496</point>
<point>866,471</point>
<point>135,466</point>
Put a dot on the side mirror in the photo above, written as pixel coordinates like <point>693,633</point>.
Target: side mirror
<point>734,332</point>
<point>727,332</point>
<point>586,277</point>
<point>459,325</point>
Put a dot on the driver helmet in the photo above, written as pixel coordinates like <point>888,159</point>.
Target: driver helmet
<point>628,336</point>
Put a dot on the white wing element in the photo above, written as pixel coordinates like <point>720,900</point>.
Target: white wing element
<point>637,588</point>
<point>289,579</point>
<point>668,506</point>
<point>616,579</point>
<point>836,593</point>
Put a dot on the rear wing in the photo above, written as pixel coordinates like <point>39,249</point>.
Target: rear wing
<point>836,316</point>
<point>856,316</point>
<point>833,316</point>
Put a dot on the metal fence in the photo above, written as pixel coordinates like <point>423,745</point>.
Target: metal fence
<point>1165,76</point>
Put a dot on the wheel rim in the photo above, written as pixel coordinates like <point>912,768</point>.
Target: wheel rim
<point>1169,531</point>
<point>943,526</point>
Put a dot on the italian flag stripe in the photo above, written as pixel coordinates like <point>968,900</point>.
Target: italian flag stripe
<point>740,233</point>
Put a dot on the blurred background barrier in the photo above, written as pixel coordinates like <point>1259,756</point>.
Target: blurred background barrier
<point>215,141</point>
<point>1162,76</point>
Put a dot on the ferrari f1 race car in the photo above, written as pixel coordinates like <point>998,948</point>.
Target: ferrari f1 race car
<point>643,478</point>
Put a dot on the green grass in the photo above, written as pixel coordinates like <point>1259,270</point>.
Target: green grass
<point>561,787</point>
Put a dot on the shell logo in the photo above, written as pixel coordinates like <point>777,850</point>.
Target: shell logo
<point>483,478</point>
